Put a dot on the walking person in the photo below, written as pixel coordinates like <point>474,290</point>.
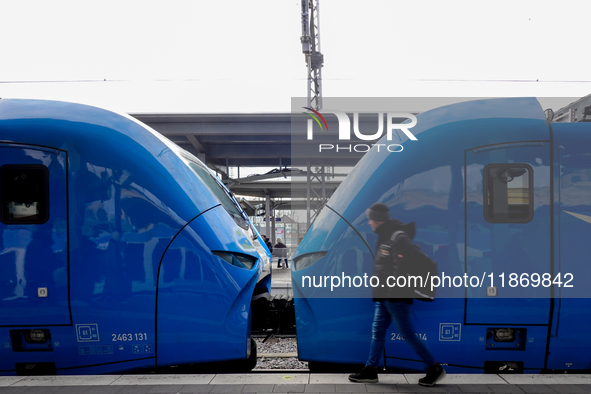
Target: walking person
<point>281,245</point>
<point>390,261</point>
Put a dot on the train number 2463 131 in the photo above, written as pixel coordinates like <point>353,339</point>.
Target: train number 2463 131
<point>129,337</point>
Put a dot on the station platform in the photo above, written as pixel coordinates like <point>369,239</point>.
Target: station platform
<point>285,382</point>
<point>281,280</point>
<point>293,381</point>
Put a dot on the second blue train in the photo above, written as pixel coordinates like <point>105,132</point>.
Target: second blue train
<point>499,194</point>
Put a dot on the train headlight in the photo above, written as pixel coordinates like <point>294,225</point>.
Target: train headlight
<point>236,259</point>
<point>306,260</point>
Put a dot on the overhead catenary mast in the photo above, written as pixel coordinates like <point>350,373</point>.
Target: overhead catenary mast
<point>316,190</point>
<point>311,48</point>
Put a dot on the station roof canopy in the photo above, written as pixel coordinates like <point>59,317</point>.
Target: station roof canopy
<point>253,140</point>
<point>245,140</point>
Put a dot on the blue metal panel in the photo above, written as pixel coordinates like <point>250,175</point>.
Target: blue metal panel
<point>35,256</point>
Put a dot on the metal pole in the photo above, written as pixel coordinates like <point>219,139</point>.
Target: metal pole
<point>316,43</point>
<point>267,217</point>
<point>323,185</point>
<point>273,230</point>
<point>308,187</point>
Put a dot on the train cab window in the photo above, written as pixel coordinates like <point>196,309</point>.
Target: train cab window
<point>24,194</point>
<point>222,194</point>
<point>508,193</point>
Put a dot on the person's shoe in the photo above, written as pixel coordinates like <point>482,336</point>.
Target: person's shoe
<point>279,266</point>
<point>367,375</point>
<point>434,375</point>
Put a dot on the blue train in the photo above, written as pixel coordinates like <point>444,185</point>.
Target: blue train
<point>119,251</point>
<point>501,197</point>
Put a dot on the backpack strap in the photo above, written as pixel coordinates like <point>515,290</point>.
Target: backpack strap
<point>395,235</point>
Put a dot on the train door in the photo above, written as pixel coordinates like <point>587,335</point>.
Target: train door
<point>508,234</point>
<point>33,237</point>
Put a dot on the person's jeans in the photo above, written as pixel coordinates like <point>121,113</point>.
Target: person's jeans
<point>385,312</point>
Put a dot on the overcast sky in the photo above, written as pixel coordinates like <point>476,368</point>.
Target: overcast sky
<point>245,56</point>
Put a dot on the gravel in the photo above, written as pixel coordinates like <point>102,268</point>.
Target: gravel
<point>276,346</point>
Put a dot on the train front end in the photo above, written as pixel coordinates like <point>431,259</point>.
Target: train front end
<point>119,251</point>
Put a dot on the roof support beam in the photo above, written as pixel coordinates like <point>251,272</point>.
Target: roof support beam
<point>196,144</point>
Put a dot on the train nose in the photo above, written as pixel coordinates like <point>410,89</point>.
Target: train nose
<point>330,265</point>
<point>335,262</point>
<point>212,266</point>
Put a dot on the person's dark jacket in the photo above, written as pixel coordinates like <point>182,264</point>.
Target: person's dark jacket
<point>269,246</point>
<point>280,245</point>
<point>391,259</point>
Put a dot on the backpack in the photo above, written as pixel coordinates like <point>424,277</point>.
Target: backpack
<point>423,266</point>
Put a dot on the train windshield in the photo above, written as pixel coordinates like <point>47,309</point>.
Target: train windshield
<point>222,194</point>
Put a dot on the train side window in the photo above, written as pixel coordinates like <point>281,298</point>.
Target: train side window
<point>508,193</point>
<point>24,194</point>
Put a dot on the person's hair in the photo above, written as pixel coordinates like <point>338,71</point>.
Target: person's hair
<point>279,241</point>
